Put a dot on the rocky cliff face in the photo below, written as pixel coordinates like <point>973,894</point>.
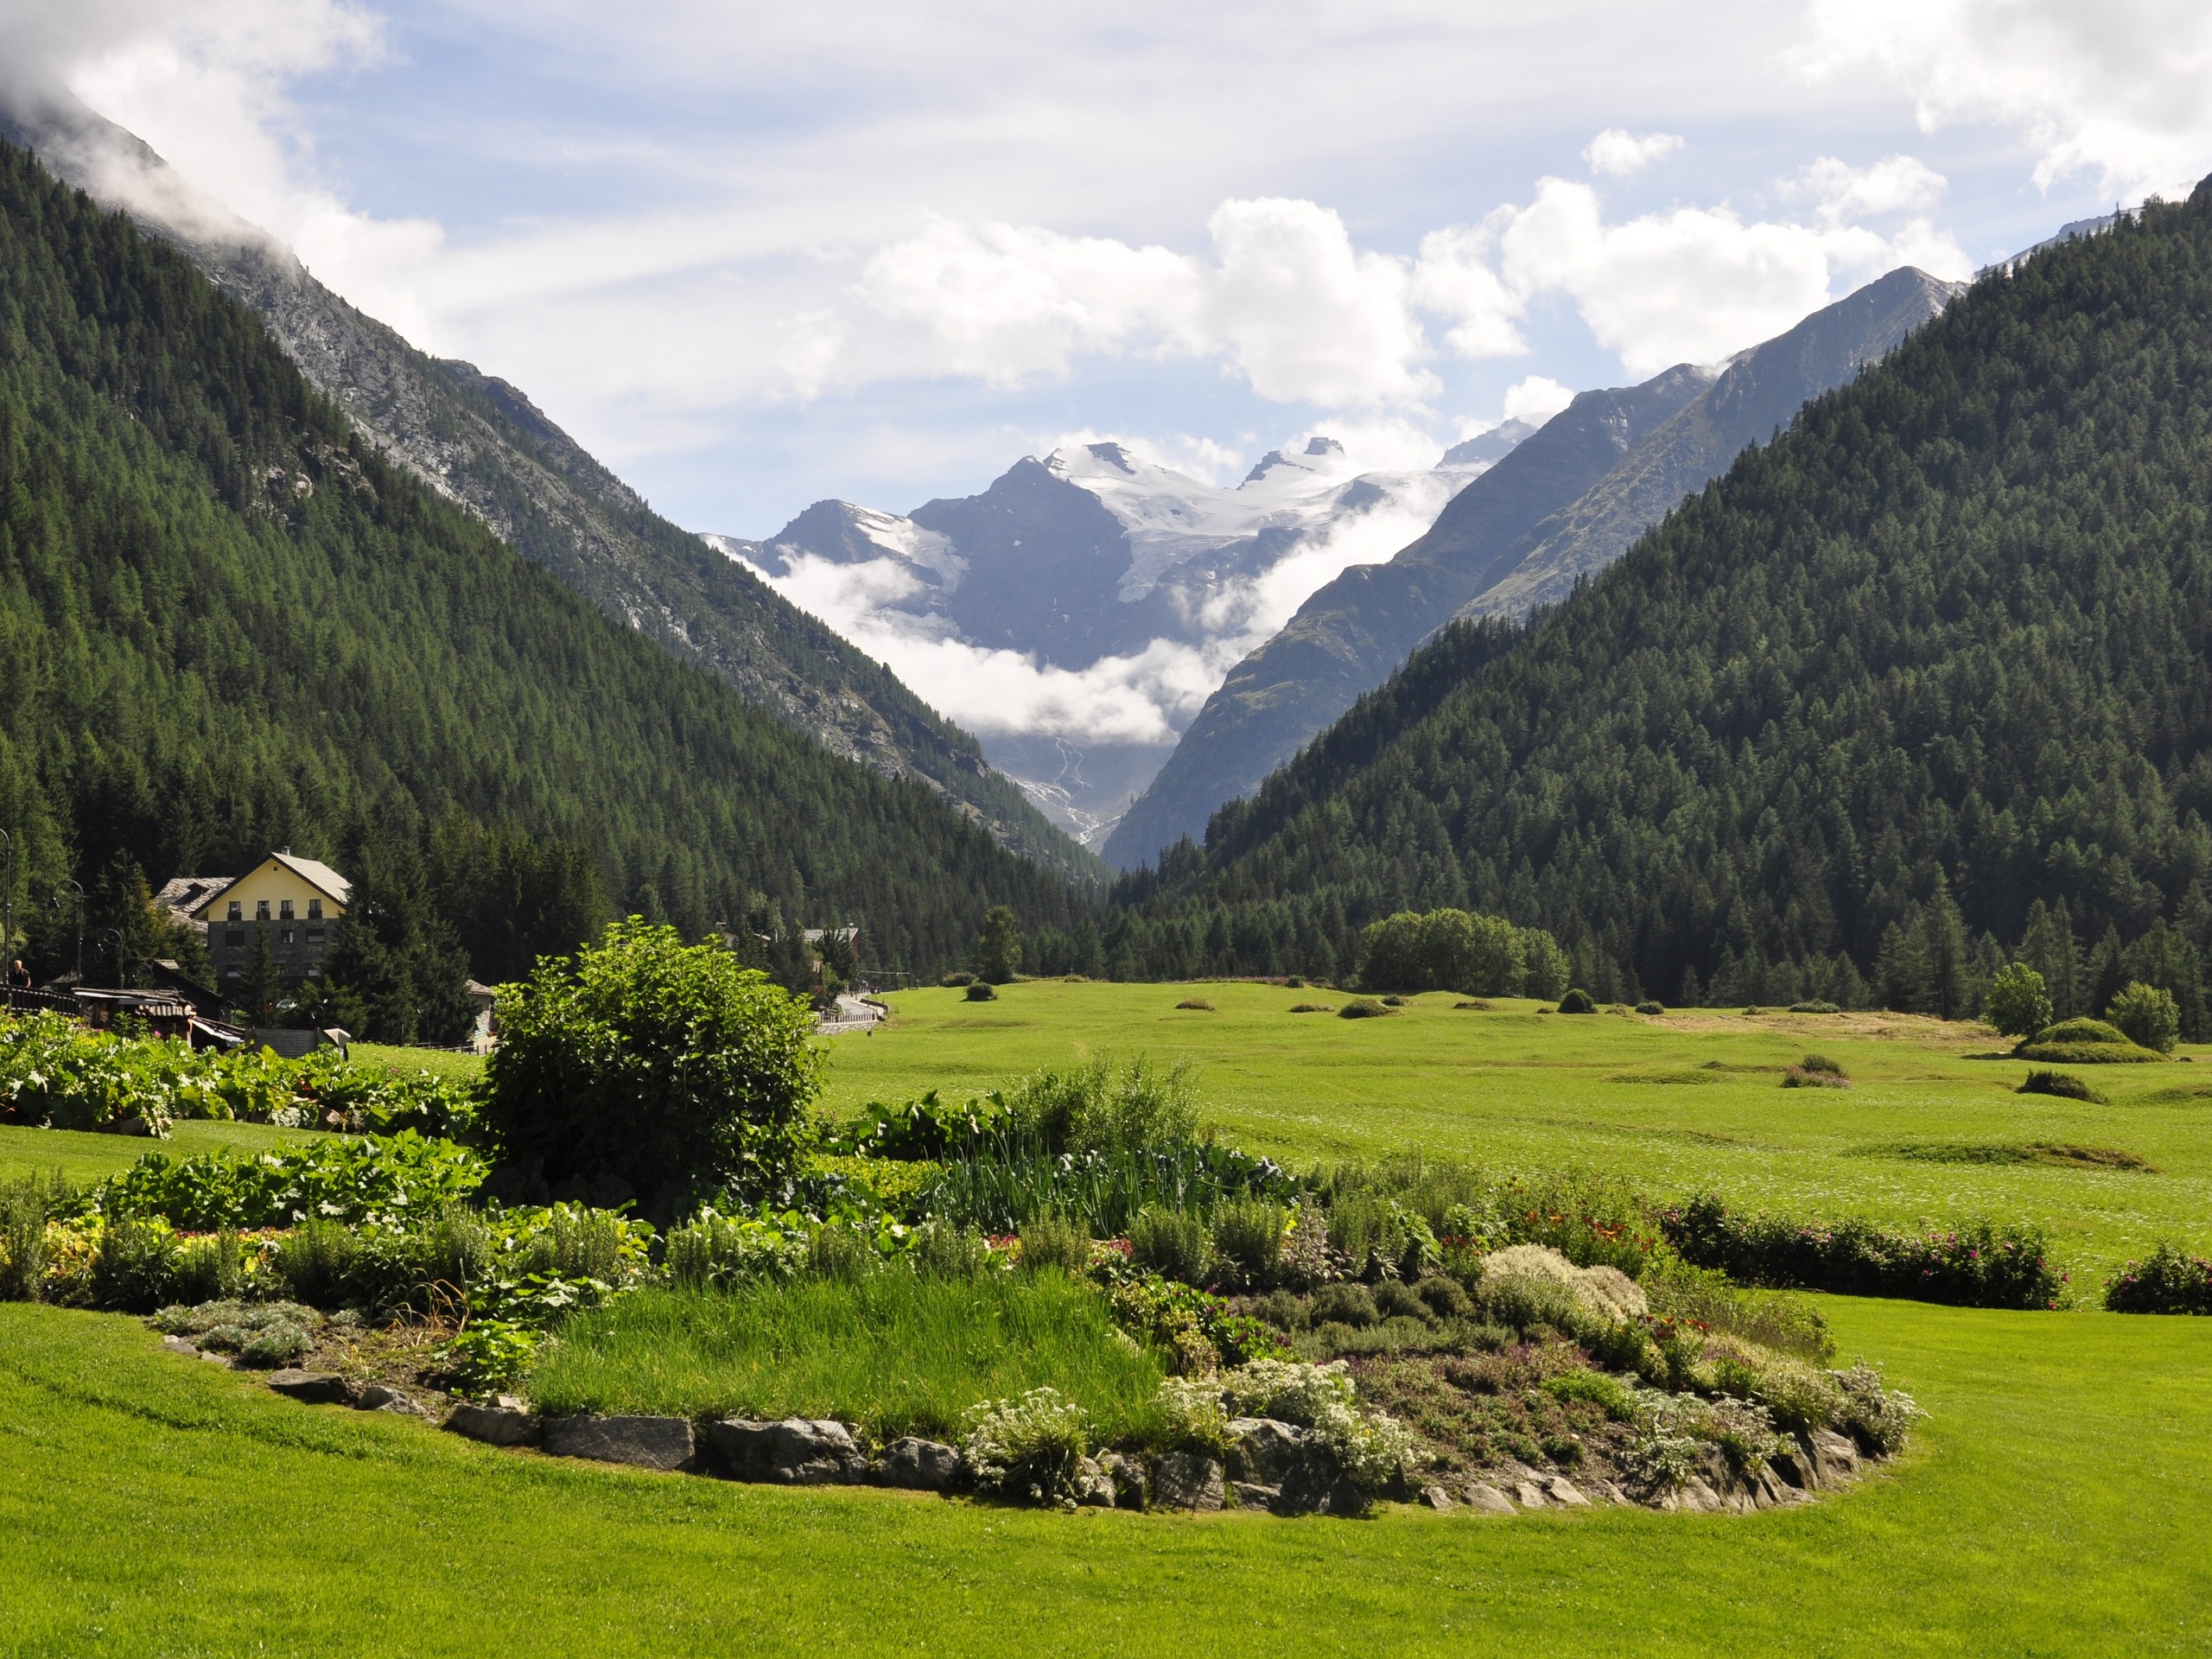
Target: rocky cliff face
<point>482,444</point>
<point>1561,505</point>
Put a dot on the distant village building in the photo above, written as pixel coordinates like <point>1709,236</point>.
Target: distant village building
<point>294,903</point>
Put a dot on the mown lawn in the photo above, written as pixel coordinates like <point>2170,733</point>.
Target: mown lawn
<point>84,1157</point>
<point>1921,1133</point>
<point>2058,1500</point>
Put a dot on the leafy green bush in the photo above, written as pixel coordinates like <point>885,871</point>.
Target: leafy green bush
<point>1052,1240</point>
<point>487,1357</point>
<point>2148,1015</point>
<point>1362,1008</point>
<point>1104,1107</point>
<point>1370,1448</point>
<point>2167,1281</point>
<point>1247,1235</point>
<point>1577,1001</point>
<point>1344,1303</point>
<point>651,1069</point>
<point>1980,1265</point>
<point>958,977</point>
<point>1707,1298</point>
<point>2060,1084</point>
<point>55,1072</point>
<point>943,1249</point>
<point>1195,1005</point>
<point>717,1251</point>
<point>345,1178</point>
<point>1170,1242</point>
<point>1815,1006</point>
<point>979,990</point>
<point>1649,1006</point>
<point>841,1252</point>
<point>1608,1392</point>
<point>2018,1003</point>
<point>316,1261</point>
<point>213,1267</point>
<point>1820,1063</point>
<point>135,1267</point>
<point>1199,1331</point>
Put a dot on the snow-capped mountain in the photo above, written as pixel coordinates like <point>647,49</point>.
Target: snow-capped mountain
<point>1077,612</point>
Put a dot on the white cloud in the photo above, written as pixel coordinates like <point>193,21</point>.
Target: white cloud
<point>1453,278</point>
<point>1008,302</point>
<point>1307,318</point>
<point>1286,301</point>
<point>2121,90</point>
<point>1536,399</point>
<point>1692,284</point>
<point>1842,192</point>
<point>1619,152</point>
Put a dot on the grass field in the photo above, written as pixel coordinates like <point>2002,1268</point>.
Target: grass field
<point>1931,1129</point>
<point>85,1158</point>
<point>2058,1500</point>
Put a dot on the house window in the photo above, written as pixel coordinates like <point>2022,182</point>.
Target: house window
<point>315,910</point>
<point>285,937</point>
<point>234,936</point>
<point>238,911</point>
<point>261,910</point>
<point>284,910</point>
<point>314,936</point>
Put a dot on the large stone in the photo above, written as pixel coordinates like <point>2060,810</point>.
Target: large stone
<point>1563,1492</point>
<point>1485,1499</point>
<point>642,1442</point>
<point>1437,1498</point>
<point>1184,1480</point>
<point>1132,1484</point>
<point>1701,1498</point>
<point>924,1465</point>
<point>1796,1470</point>
<point>181,1345</point>
<point>493,1425</point>
<point>316,1388</point>
<point>1250,1495</point>
<point>1835,1457</point>
<point>1530,1496</point>
<point>1094,1487</point>
<point>796,1451</point>
<point>1265,1451</point>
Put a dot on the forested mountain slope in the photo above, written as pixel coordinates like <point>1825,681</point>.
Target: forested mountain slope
<point>228,623</point>
<point>1566,502</point>
<point>1926,677</point>
<point>480,442</point>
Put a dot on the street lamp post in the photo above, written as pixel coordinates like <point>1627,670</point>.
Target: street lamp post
<point>71,889</point>
<point>114,936</point>
<point>7,902</point>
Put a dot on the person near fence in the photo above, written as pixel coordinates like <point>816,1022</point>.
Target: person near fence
<point>19,977</point>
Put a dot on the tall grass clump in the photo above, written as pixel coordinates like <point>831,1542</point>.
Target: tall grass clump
<point>895,1353</point>
<point>1170,1242</point>
<point>1248,1241</point>
<point>1052,1240</point>
<point>24,1205</point>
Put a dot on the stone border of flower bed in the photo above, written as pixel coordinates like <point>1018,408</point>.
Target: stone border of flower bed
<point>1267,1466</point>
<point>802,1451</point>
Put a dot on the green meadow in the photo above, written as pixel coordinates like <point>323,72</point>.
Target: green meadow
<point>1930,1129</point>
<point>2058,1499</point>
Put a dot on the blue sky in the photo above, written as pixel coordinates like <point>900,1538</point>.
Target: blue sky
<point>753,256</point>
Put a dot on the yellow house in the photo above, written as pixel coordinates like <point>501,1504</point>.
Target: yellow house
<point>294,903</point>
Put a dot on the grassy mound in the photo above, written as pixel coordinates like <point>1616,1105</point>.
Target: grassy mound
<point>1362,1008</point>
<point>2060,1085</point>
<point>2084,1042</point>
<point>895,1352</point>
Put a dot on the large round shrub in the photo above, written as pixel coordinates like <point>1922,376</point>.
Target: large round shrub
<point>650,1069</point>
<point>2017,1003</point>
<point>2148,1014</point>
